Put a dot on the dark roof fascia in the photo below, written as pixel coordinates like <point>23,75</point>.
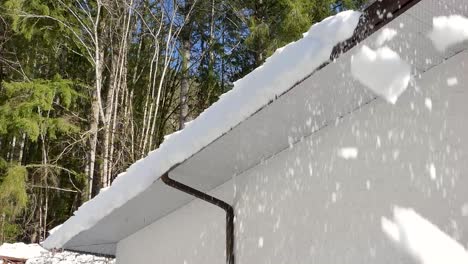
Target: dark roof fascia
<point>374,17</point>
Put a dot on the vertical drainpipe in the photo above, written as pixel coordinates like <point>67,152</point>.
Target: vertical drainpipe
<point>215,201</point>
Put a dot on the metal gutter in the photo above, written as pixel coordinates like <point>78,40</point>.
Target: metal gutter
<point>212,200</point>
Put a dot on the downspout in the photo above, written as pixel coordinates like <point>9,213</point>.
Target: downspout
<point>212,200</point>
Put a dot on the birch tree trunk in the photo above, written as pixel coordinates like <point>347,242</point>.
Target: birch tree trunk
<point>21,151</point>
<point>184,84</point>
<point>96,105</point>
<point>11,153</point>
<point>185,75</point>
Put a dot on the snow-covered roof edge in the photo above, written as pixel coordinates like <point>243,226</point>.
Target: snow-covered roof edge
<point>279,73</point>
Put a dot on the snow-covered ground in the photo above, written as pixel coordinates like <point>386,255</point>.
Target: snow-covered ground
<point>67,257</point>
<point>35,254</point>
<point>21,250</point>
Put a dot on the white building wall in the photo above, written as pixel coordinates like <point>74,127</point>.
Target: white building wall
<point>308,205</point>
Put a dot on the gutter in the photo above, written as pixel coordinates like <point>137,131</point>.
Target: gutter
<point>212,200</point>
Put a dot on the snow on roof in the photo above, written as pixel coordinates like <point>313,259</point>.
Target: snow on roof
<point>21,250</point>
<point>279,73</point>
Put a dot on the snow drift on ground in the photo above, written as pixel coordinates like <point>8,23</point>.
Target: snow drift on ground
<point>21,250</point>
<point>67,257</point>
<point>279,73</point>
<point>448,31</point>
<point>421,239</point>
<point>35,254</point>
<point>382,71</point>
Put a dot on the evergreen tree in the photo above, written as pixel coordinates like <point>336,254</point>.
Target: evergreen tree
<point>274,23</point>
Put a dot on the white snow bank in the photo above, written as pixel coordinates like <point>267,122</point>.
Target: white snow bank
<point>67,257</point>
<point>386,34</point>
<point>280,72</point>
<point>448,31</point>
<point>35,254</point>
<point>382,71</point>
<point>421,239</point>
<point>21,250</point>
